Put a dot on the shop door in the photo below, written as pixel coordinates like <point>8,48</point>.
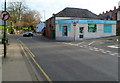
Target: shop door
<point>81,32</point>
<point>64,31</point>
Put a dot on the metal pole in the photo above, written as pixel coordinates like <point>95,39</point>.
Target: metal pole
<point>74,33</point>
<point>5,34</point>
<point>44,14</point>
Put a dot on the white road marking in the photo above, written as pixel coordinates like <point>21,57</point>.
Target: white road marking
<point>108,51</point>
<point>58,42</point>
<point>80,43</point>
<point>113,46</point>
<point>91,49</point>
<point>85,46</point>
<point>114,54</point>
<point>103,51</point>
<point>71,44</point>
<point>94,48</point>
<point>91,43</point>
<point>80,46</point>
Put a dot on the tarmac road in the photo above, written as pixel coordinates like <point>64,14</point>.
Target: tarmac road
<point>74,61</point>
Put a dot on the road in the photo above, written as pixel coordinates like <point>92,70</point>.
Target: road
<point>89,60</point>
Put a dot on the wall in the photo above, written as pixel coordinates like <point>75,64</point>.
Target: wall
<point>50,27</point>
<point>118,28</point>
<point>118,16</point>
<point>100,32</point>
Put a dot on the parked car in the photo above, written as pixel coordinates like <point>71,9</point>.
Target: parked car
<point>28,34</point>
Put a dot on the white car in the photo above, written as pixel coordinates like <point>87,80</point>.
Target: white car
<point>28,34</point>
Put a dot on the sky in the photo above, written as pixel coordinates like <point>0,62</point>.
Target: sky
<point>49,7</point>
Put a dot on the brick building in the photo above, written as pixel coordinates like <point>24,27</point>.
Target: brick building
<point>118,21</point>
<point>113,15</point>
<point>110,15</point>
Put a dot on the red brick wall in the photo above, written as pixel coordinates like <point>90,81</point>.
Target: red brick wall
<point>118,28</point>
<point>50,25</point>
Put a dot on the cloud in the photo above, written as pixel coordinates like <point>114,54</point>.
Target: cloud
<point>48,7</point>
<point>54,6</point>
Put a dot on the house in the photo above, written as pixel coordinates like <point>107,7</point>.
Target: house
<point>109,15</point>
<point>118,21</point>
<point>40,26</point>
<point>78,24</point>
<point>113,15</point>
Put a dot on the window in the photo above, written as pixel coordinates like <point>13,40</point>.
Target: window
<point>92,28</point>
<point>81,29</point>
<point>64,30</point>
<point>107,28</point>
<point>80,36</point>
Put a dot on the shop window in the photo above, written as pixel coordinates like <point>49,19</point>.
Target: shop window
<point>107,28</point>
<point>81,29</point>
<point>80,36</point>
<point>92,28</point>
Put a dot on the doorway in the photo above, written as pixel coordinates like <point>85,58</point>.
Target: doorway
<point>65,31</point>
<point>81,32</point>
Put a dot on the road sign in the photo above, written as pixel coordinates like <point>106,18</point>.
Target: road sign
<point>74,24</point>
<point>5,15</point>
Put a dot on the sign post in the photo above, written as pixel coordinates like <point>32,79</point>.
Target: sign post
<point>74,24</point>
<point>5,16</point>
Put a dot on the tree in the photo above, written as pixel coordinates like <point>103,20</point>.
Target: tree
<point>32,17</point>
<point>17,10</point>
<point>21,15</point>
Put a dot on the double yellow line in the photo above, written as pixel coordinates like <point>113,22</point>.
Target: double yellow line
<point>32,56</point>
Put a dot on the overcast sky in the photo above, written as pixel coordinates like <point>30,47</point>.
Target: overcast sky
<point>48,7</point>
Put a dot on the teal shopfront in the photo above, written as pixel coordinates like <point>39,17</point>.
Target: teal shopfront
<point>84,29</point>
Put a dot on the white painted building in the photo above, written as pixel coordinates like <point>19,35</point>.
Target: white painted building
<point>40,26</point>
<point>84,29</point>
<point>88,25</point>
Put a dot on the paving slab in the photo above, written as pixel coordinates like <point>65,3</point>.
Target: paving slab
<point>14,67</point>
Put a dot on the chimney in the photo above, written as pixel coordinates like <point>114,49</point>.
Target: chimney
<point>54,15</point>
<point>114,7</point>
<point>110,11</point>
<point>106,11</point>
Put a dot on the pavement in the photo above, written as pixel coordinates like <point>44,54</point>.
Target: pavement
<point>14,67</point>
<point>1,48</point>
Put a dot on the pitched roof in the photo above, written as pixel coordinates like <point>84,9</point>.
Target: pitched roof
<point>76,12</point>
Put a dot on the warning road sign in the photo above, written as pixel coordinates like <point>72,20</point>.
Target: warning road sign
<point>5,15</point>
